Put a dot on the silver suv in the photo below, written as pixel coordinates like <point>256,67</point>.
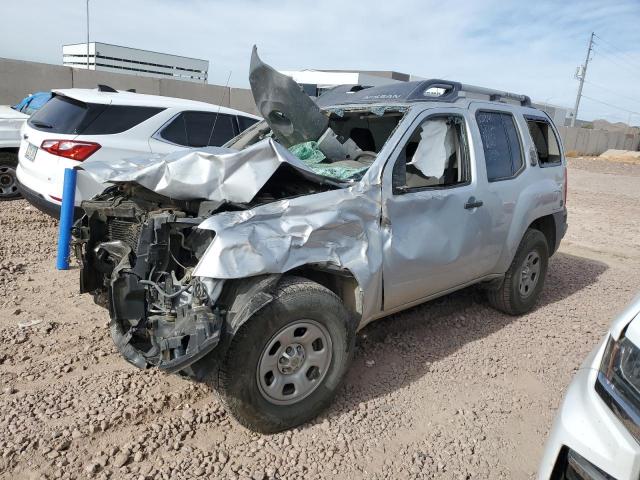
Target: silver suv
<point>252,266</point>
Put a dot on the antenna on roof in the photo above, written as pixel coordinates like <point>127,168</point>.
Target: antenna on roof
<point>213,127</point>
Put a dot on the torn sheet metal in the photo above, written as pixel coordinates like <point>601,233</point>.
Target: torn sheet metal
<point>283,235</point>
<point>218,175</point>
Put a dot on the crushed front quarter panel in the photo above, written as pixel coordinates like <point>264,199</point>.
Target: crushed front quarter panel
<point>338,227</point>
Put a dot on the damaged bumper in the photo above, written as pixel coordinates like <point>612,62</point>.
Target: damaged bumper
<point>137,265</point>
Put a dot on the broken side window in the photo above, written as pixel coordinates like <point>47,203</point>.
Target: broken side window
<point>545,141</point>
<point>501,144</point>
<point>435,156</point>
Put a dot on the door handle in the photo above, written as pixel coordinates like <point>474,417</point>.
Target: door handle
<point>473,203</point>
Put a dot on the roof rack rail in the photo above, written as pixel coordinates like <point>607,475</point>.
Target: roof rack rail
<point>433,90</point>
<point>496,95</point>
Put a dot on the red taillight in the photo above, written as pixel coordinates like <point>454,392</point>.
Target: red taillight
<point>566,185</point>
<point>69,149</point>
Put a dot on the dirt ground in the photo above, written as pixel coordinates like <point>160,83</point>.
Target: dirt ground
<point>451,389</point>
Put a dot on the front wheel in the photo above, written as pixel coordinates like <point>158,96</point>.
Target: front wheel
<point>8,177</point>
<point>284,365</point>
<point>524,280</point>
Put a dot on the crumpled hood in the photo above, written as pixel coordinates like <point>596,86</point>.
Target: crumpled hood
<point>217,174</point>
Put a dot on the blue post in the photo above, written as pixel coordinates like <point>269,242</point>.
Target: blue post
<point>66,218</point>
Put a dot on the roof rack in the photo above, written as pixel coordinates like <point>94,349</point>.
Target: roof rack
<point>497,95</point>
<point>433,90</point>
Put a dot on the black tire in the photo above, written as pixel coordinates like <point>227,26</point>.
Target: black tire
<point>510,298</point>
<point>295,299</point>
<point>8,179</point>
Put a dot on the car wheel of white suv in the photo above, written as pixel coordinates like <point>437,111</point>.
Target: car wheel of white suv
<point>8,179</point>
<point>524,280</point>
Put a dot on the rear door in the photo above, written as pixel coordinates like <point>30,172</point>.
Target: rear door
<point>515,192</point>
<point>437,228</point>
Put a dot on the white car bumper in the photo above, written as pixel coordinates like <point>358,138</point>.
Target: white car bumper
<point>586,426</point>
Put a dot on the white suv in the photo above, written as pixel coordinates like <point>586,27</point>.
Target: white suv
<point>106,124</point>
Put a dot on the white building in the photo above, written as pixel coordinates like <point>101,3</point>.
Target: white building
<point>561,116</point>
<point>114,58</point>
<point>316,82</point>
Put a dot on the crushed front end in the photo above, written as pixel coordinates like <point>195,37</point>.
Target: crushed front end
<point>137,252</point>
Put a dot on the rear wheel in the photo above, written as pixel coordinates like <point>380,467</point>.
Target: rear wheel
<point>285,363</point>
<point>8,178</point>
<point>524,280</point>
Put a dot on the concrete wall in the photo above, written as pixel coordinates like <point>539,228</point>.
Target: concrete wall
<point>216,94</point>
<point>586,141</point>
<point>19,78</point>
<point>90,78</point>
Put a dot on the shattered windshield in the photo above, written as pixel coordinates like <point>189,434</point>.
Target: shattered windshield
<point>346,150</point>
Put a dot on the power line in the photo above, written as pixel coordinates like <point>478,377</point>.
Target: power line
<point>615,51</point>
<point>611,91</point>
<point>610,105</point>
<point>618,51</point>
<point>629,70</point>
<point>616,60</point>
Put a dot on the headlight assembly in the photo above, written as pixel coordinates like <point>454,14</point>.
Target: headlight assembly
<point>619,382</point>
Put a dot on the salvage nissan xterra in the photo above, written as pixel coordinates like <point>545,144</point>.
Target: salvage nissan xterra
<point>253,265</point>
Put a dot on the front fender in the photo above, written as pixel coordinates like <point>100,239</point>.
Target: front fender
<point>246,297</point>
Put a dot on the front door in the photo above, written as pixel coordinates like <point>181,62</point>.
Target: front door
<point>436,226</point>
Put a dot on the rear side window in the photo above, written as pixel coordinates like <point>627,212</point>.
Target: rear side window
<point>501,144</point>
<point>545,141</point>
<point>200,129</point>
<point>64,115</point>
<point>70,116</point>
<point>119,118</point>
<point>245,122</point>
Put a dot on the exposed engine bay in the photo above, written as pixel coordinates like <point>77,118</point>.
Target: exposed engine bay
<point>138,251</point>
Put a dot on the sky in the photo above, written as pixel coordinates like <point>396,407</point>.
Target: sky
<point>530,47</point>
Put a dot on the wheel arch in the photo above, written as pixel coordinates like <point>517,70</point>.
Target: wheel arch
<point>245,297</point>
<point>340,281</point>
<point>547,226</point>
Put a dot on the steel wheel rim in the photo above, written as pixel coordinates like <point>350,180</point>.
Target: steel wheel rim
<point>529,274</point>
<point>294,362</point>
<point>8,181</point>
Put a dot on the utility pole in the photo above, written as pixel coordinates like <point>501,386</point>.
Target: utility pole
<point>87,34</point>
<point>580,76</point>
